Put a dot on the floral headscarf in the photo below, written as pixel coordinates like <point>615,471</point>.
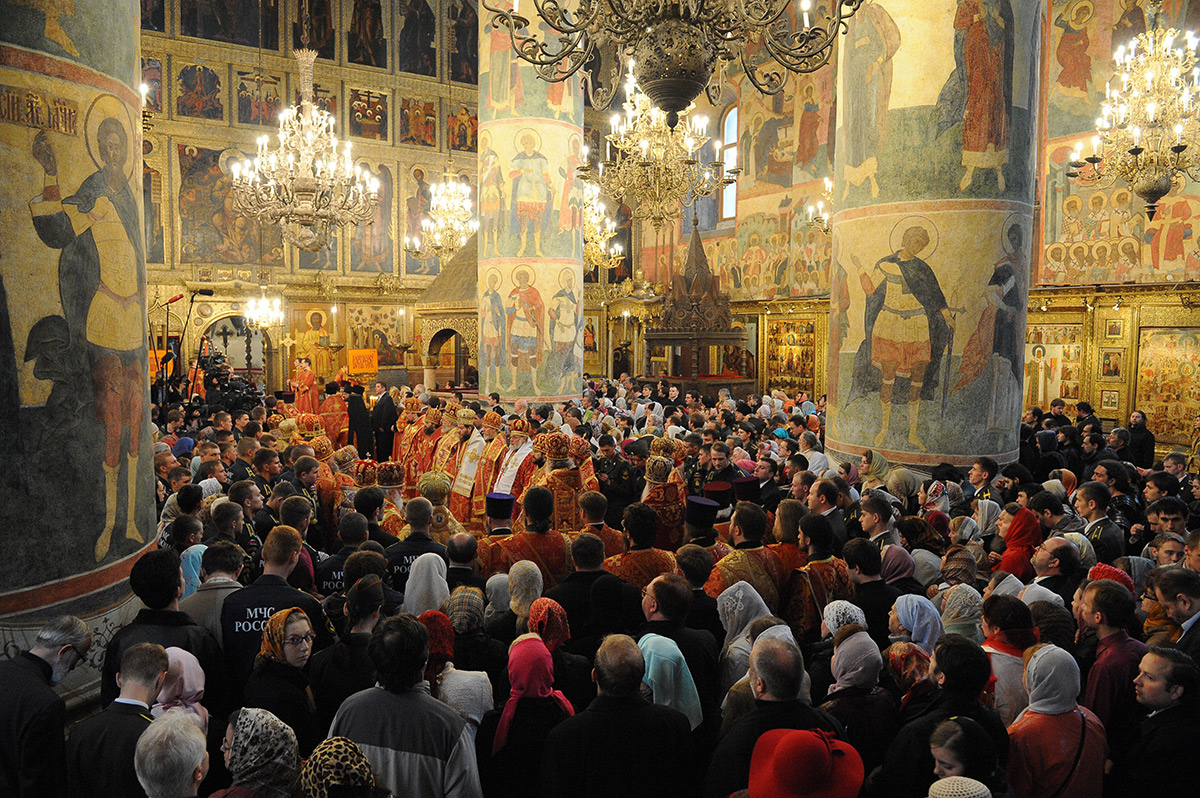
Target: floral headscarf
<point>964,529</point>
<point>524,587</point>
<point>841,613</point>
<point>273,634</point>
<point>737,606</point>
<point>441,646</point>
<point>548,620</point>
<point>959,567</point>
<point>264,756</point>
<point>907,663</point>
<point>531,674</point>
<point>936,498</point>
<point>336,762</point>
<point>465,609</point>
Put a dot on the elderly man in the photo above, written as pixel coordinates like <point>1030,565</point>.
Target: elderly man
<point>171,757</point>
<point>1056,565</point>
<point>464,463</point>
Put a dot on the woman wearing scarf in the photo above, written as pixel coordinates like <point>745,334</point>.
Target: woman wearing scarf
<point>509,745</point>
<point>572,673</point>
<point>904,485</point>
<point>986,513</point>
<point>849,472</point>
<point>914,619</point>
<point>1069,481</point>
<point>261,753</point>
<point>874,470</point>
<point>340,764</point>
<point>496,597</point>
<point>1055,747</point>
<point>737,606</point>
<point>1003,584</point>
<point>897,567</point>
<point>1158,627</point>
<point>962,612</point>
<point>926,548</point>
<point>1022,533</point>
<point>469,693</point>
<point>914,627</point>
<point>958,567</point>
<point>669,678</point>
<point>473,649</point>
<point>1008,630</point>
<point>278,682</point>
<point>183,687</point>
<point>865,709</point>
<point>426,589</point>
<point>933,498</point>
<point>1087,552</point>
<point>524,587</point>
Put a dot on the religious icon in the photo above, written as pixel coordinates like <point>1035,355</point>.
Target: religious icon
<point>566,312</point>
<point>526,327</point>
<point>1110,363</point>
<point>1115,328</point>
<point>492,328</point>
<point>1109,401</point>
<point>199,94</point>
<point>313,345</point>
<point>491,198</point>
<point>415,45</point>
<point>531,192</point>
<point>259,96</point>
<point>366,38</point>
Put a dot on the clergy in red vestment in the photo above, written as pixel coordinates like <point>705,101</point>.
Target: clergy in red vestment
<point>488,471</point>
<point>663,496</point>
<point>443,452</point>
<point>335,415</point>
<point>490,554</point>
<point>581,453</point>
<point>304,383</point>
<point>593,506</point>
<point>421,454</point>
<point>823,578</point>
<point>467,455</point>
<point>750,561</point>
<point>545,547</point>
<point>407,429</point>
<point>642,562</point>
<point>699,515</point>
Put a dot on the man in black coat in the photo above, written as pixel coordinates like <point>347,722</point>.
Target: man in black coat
<point>621,745</point>
<point>776,674</point>
<point>960,670</point>
<point>872,595</point>
<point>402,555</point>
<point>359,435</point>
<point>573,594</point>
<point>460,550</point>
<point>32,715</point>
<point>696,563</point>
<point>383,421</point>
<point>1168,685</point>
<point>157,580</point>
<point>1179,594</point>
<point>101,748</point>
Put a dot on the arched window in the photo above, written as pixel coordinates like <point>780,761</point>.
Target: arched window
<point>729,157</point>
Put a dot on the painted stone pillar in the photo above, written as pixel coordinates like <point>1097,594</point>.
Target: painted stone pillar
<point>74,383</point>
<point>934,188</point>
<point>530,278</point>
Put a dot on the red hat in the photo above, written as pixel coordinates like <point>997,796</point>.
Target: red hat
<point>1102,571</point>
<point>792,763</point>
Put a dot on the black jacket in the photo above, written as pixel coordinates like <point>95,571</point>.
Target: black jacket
<point>702,614</point>
<point>339,672</point>
<point>875,599</point>
<point>100,752</point>
<point>328,577</point>
<point>1140,450</point>
<point>360,427</point>
<point>1156,763</point>
<point>384,415</point>
<point>573,595</point>
<point>402,555</point>
<point>1189,643</point>
<point>284,691</point>
<point>459,576</point>
<point>770,495</point>
<point>515,770</point>
<point>1108,540</point>
<point>376,533</point>
<point>1063,585</point>
<point>32,718</point>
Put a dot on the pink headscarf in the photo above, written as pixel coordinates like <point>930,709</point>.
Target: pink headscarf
<point>531,673</point>
<point>183,687</point>
<point>897,564</point>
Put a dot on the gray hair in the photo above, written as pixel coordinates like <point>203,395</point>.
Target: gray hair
<point>780,665</point>
<point>168,753</point>
<point>811,440</point>
<point>65,630</point>
<point>1121,434</point>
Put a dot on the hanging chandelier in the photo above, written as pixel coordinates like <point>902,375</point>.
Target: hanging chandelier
<point>305,185</point>
<point>677,44</point>
<point>818,215</point>
<point>1148,123</point>
<point>598,231</point>
<point>451,220</point>
<point>263,313</point>
<point>655,166</point>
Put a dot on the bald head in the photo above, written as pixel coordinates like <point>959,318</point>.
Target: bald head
<point>461,549</point>
<point>776,669</point>
<point>619,666</point>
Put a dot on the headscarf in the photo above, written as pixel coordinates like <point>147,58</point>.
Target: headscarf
<point>959,568</point>
<point>426,589</point>
<point>1087,552</point>
<point>496,589</point>
<point>1103,571</point>
<point>1068,479</point>
<point>668,676</point>
<point>877,471</point>
<point>336,762</point>
<point>548,620</point>
<point>955,494</point>
<point>737,606</point>
<point>183,446</point>
<point>936,499</point>
<point>1035,592</point>
<point>985,516</point>
<point>183,687</point>
<point>959,787</point>
<point>524,587</point>
<point>964,529</point>
<point>852,474</point>
<point>907,663</point>
<point>1056,488</point>
<point>962,610</point>
<point>856,663</point>
<point>940,523</point>
<point>1008,586</point>
<point>1139,567</point>
<point>264,756</point>
<point>441,645</point>
<point>465,609</point>
<point>918,615</point>
<point>897,564</point>
<point>1052,679</point>
<point>273,634</point>
<point>531,674</point>
<point>841,613</point>
<point>902,482</point>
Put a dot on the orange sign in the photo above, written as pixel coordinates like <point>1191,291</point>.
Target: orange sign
<point>364,361</point>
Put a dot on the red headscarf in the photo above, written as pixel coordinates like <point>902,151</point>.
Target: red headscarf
<point>548,620</point>
<point>441,645</point>
<point>940,523</point>
<point>1023,536</point>
<point>531,674</point>
<point>1102,571</point>
<point>1069,480</point>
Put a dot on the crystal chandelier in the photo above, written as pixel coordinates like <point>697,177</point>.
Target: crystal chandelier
<point>656,167</point>
<point>818,215</point>
<point>598,231</point>
<point>677,43</point>
<point>451,220</point>
<point>262,313</point>
<point>305,185</point>
<point>1148,123</point>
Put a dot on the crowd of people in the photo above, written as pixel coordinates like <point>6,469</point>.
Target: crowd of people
<point>642,592</point>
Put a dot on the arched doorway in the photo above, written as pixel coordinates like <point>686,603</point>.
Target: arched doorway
<point>451,358</point>
<point>244,348</point>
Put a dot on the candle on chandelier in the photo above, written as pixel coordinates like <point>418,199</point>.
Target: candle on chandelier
<point>1095,144</point>
<point>1179,134</point>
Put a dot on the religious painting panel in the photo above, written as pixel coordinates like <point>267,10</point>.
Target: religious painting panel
<point>464,41</point>
<point>916,360</point>
<point>372,249</point>
<point>1083,35</point>
<point>592,361</point>
<point>152,77</point>
<point>200,93</point>
<point>1168,390</point>
<point>252,23</point>
<point>210,229</point>
<point>154,17</point>
<point>378,327</point>
<point>417,37</point>
<point>738,361</point>
<point>767,145</point>
<point>317,335</point>
<point>324,259</point>
<point>462,128</point>
<point>367,113</point>
<point>324,97</point>
<point>319,27</point>
<point>368,24</point>
<point>417,198</point>
<point>791,354</point>
<point>260,95</point>
<point>152,201</point>
<point>418,122</point>
<point>1110,401</point>
<point>1112,365</point>
<point>514,92</point>
<point>1053,364</point>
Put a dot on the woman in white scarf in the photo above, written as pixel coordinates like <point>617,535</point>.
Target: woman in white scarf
<point>738,606</point>
<point>426,589</point>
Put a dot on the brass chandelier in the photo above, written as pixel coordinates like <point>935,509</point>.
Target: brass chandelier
<point>655,167</point>
<point>677,44</point>
<point>263,313</point>
<point>598,231</point>
<point>1147,123</point>
<point>818,215</point>
<point>451,220</point>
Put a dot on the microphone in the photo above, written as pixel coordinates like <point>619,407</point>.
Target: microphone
<point>174,299</point>
<point>204,291</point>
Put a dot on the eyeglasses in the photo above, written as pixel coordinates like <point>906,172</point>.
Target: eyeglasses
<point>1149,597</point>
<point>300,640</point>
<point>226,745</point>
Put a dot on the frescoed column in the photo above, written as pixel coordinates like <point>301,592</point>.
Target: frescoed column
<point>74,383</point>
<point>932,231</point>
<point>530,284</point>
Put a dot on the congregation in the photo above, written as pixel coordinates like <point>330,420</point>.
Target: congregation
<point>640,592</point>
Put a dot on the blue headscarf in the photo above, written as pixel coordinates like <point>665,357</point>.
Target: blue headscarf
<point>667,674</point>
<point>920,617</point>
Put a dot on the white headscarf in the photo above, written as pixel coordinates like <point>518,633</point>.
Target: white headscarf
<point>739,605</point>
<point>496,590</point>
<point>1009,586</point>
<point>426,588</point>
<point>1052,678</point>
<point>841,613</point>
<point>1036,592</point>
<point>985,516</point>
